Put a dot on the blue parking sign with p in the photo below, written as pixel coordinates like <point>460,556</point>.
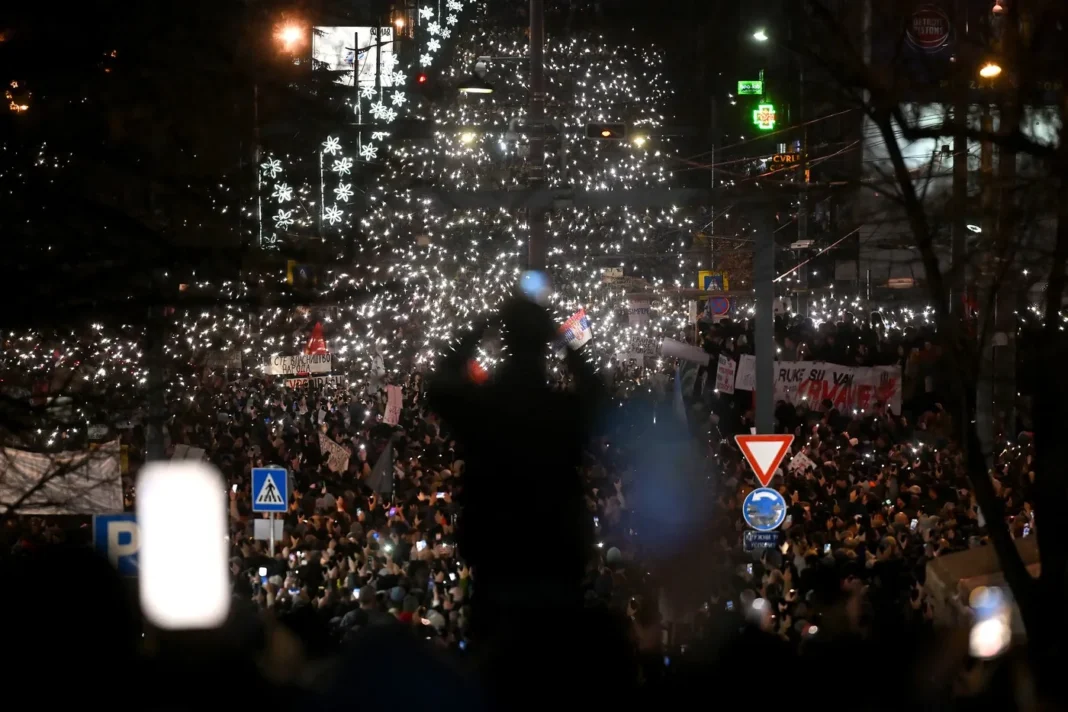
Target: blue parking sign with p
<point>115,536</point>
<point>270,489</point>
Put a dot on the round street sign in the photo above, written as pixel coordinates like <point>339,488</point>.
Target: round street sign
<point>928,29</point>
<point>764,509</point>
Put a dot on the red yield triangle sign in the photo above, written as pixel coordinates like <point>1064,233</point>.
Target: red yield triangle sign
<point>764,453</point>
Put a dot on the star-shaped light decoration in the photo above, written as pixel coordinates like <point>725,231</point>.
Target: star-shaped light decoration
<point>342,167</point>
<point>425,60</point>
<point>331,145</point>
<point>368,151</point>
<point>271,167</point>
<point>426,13</point>
<point>283,219</point>
<point>333,214</point>
<point>399,98</point>
<point>283,193</point>
<point>367,91</point>
<point>451,19</point>
<point>343,192</point>
<point>433,45</point>
<point>433,28</point>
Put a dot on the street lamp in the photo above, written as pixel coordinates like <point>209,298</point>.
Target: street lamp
<point>475,84</point>
<point>290,36</point>
<point>760,36</point>
<point>990,70</point>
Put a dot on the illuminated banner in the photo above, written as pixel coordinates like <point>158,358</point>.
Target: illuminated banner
<point>352,52</point>
<point>301,363</point>
<point>318,381</point>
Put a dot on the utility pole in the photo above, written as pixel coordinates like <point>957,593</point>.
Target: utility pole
<point>959,234</point>
<point>538,248</point>
<point>155,334</point>
<point>764,333</point>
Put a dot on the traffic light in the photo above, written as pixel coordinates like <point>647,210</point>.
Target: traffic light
<point>606,132</point>
<point>421,79</point>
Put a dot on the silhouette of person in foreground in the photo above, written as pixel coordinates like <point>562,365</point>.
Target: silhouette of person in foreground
<point>524,529</point>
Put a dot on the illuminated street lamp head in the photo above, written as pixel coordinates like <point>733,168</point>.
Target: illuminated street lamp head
<point>760,36</point>
<point>990,70</point>
<point>291,36</point>
<point>399,23</point>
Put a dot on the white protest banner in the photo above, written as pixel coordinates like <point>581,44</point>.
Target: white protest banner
<point>638,311</point>
<point>394,399</point>
<point>848,388</point>
<point>725,375</point>
<point>83,482</point>
<point>223,359</point>
<point>746,378</point>
<point>339,456</point>
<point>800,463</point>
<point>318,381</point>
<point>279,365</point>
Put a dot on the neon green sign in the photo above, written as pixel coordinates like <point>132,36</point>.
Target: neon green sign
<point>764,117</point>
<point>754,87</point>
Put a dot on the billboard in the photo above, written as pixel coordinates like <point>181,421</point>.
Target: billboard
<point>352,52</point>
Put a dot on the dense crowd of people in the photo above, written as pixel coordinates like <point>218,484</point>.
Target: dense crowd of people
<point>378,540</point>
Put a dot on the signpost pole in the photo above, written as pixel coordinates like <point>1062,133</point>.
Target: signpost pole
<point>270,518</point>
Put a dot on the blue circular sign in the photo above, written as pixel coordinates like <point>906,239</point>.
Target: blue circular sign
<point>764,509</point>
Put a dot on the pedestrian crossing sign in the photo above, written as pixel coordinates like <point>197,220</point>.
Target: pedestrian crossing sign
<point>270,489</point>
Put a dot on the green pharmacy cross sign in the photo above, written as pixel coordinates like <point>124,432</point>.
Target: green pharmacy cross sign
<point>753,87</point>
<point>764,117</point>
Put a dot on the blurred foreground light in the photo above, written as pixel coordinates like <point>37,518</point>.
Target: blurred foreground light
<point>760,36</point>
<point>989,638</point>
<point>181,512</point>
<point>468,137</point>
<point>990,70</point>
<point>640,141</point>
<point>291,36</point>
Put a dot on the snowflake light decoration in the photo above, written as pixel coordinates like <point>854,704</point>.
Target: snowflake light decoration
<point>454,5</point>
<point>342,167</point>
<point>425,60</point>
<point>426,13</point>
<point>433,45</point>
<point>378,110</point>
<point>331,145</point>
<point>283,219</point>
<point>333,214</point>
<point>398,78</point>
<point>368,151</point>
<point>389,115</point>
<point>389,62</point>
<point>367,91</point>
<point>399,98</point>
<point>446,33</point>
<point>379,135</point>
<point>451,19</point>
<point>433,28</point>
<point>283,193</point>
<point>272,167</point>
<point>343,192</point>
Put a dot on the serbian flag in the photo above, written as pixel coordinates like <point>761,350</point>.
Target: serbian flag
<point>576,331</point>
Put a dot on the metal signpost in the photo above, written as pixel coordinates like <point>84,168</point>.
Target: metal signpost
<point>270,493</point>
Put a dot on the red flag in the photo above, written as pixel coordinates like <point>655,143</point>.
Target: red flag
<point>316,343</point>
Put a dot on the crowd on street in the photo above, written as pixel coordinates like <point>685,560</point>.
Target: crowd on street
<point>373,533</point>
